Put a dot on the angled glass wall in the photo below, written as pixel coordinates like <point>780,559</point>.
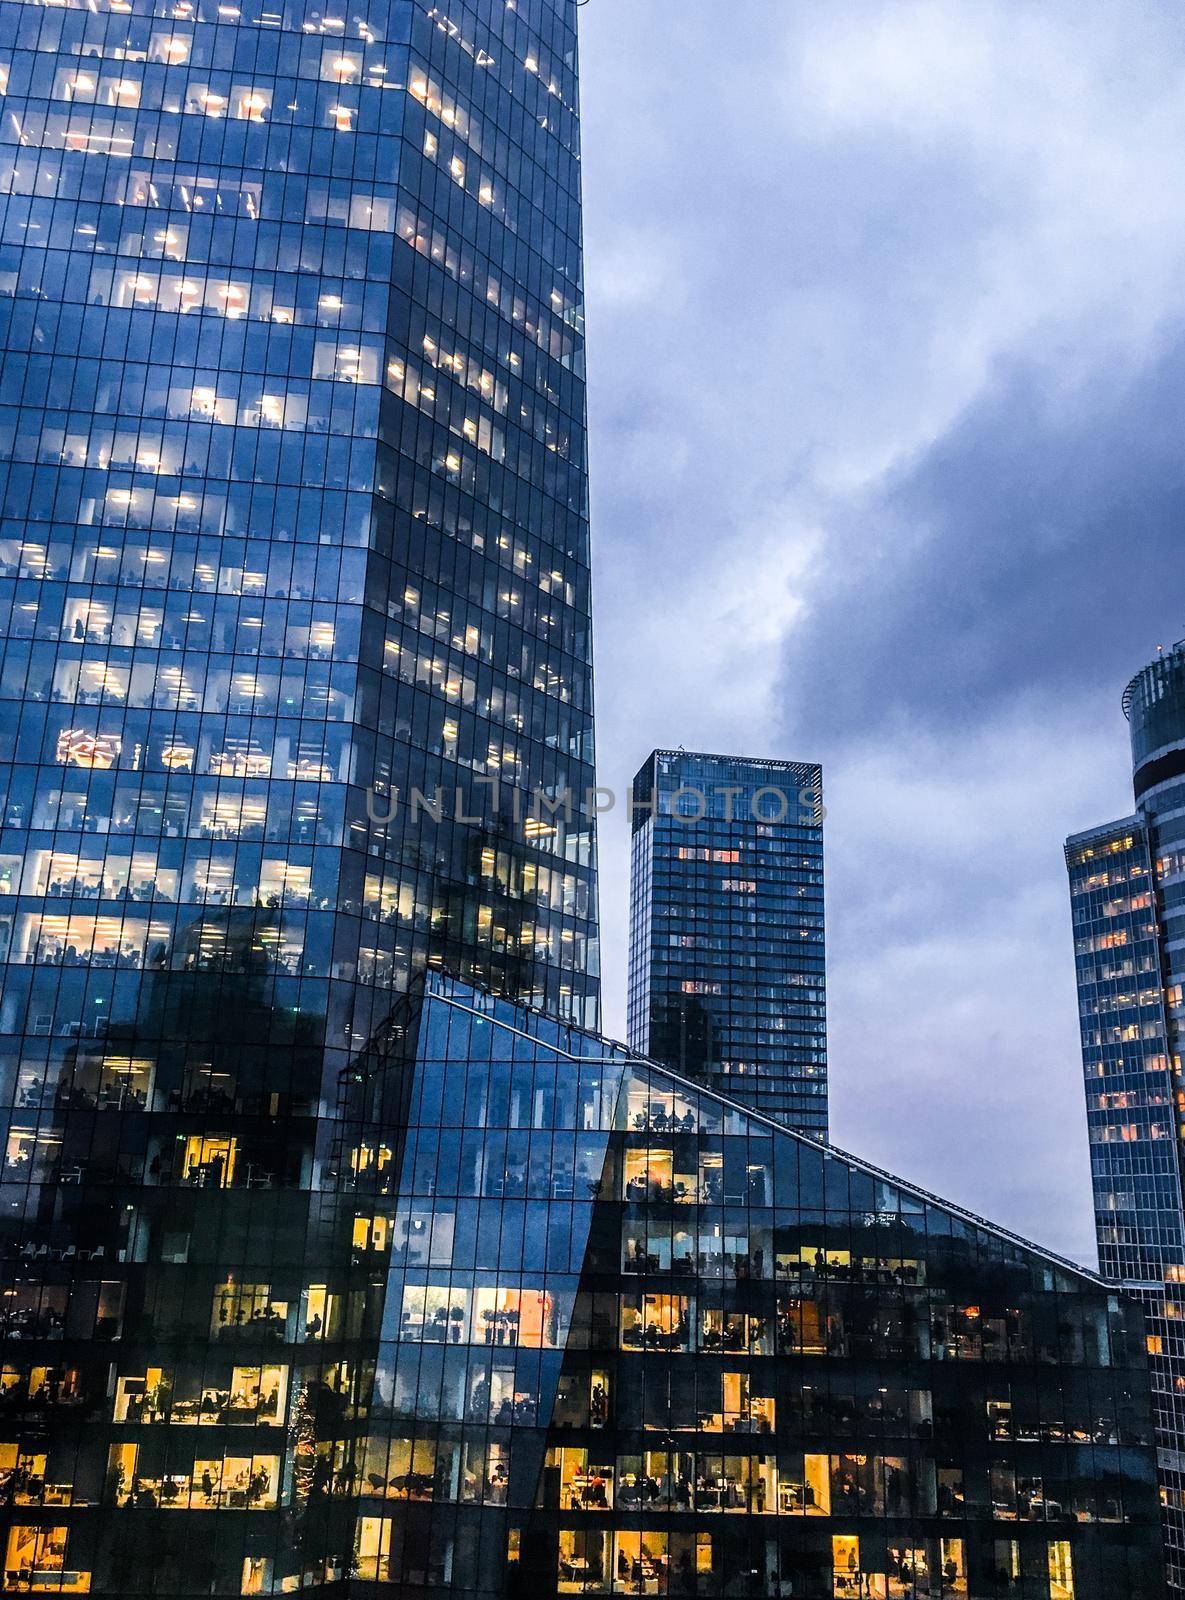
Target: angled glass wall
<point>544,1318</point>
<point>639,1340</point>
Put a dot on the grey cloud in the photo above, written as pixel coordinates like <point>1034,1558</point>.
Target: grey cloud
<point>1035,551</point>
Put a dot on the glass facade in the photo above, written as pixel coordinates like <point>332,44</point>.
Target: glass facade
<point>713,1358</point>
<point>294,504</point>
<point>294,575</point>
<point>726,959</point>
<point>550,1319</point>
<point>1127,889</point>
<point>1130,1077</point>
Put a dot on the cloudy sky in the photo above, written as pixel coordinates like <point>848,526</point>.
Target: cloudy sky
<point>887,361</point>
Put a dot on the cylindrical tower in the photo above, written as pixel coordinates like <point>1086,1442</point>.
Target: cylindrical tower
<point>1154,704</point>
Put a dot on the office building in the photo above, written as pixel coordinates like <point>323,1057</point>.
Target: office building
<point>293,549</point>
<point>295,501</point>
<point>599,1331</point>
<point>726,980</point>
<point>1127,888</point>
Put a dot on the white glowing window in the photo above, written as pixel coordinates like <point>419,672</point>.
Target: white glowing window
<point>283,881</point>
<point>232,298</point>
<point>347,363</point>
<point>341,66</point>
<point>136,289</point>
<point>366,211</point>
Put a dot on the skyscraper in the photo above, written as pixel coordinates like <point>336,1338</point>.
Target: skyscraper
<point>726,979</point>
<point>1127,889</point>
<point>294,552</point>
<point>295,501</point>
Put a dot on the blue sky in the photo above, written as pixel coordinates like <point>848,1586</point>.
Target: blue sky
<point>886,370</point>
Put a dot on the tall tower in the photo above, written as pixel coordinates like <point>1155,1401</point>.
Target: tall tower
<point>726,976</point>
<point>295,558</point>
<point>1127,890</point>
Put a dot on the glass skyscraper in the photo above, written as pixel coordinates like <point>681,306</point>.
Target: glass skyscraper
<point>293,545</point>
<point>294,503</point>
<point>726,961</point>
<point>1127,888</point>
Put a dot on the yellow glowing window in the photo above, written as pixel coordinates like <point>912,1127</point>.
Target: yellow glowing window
<point>373,1548</point>
<point>845,1557</point>
<point>210,1161</point>
<point>1061,1570</point>
<point>39,1551</point>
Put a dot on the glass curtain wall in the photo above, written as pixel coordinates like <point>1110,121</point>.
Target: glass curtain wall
<point>294,579</point>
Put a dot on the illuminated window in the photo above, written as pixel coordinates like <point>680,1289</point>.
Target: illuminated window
<point>81,748</point>
<point>41,1552</point>
<point>341,66</point>
<point>209,1161</point>
<point>372,1549</point>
